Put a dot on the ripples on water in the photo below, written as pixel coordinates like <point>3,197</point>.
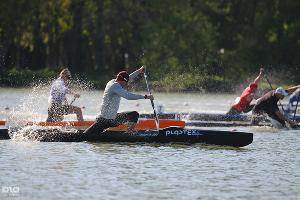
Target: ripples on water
<point>267,169</point>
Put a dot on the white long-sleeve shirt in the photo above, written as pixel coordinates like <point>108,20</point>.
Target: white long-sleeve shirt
<point>112,97</point>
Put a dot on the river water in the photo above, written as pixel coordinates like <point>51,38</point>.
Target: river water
<point>269,168</point>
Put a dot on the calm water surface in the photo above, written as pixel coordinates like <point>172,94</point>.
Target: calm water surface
<point>267,169</point>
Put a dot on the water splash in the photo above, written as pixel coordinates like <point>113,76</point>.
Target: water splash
<point>79,85</point>
<point>35,104</point>
<point>27,133</point>
<point>32,108</point>
<point>40,133</point>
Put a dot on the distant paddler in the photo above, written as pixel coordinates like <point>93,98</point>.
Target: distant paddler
<point>244,104</point>
<point>58,104</point>
<point>267,104</point>
<point>114,90</point>
<point>293,99</point>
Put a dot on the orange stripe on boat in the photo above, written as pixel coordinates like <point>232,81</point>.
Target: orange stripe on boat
<point>2,123</point>
<point>63,123</point>
<point>142,124</point>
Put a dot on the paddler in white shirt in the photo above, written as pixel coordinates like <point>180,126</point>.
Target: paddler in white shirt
<point>58,104</point>
<point>114,90</point>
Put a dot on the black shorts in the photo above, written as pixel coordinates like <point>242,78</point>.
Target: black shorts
<point>101,123</point>
<point>57,111</point>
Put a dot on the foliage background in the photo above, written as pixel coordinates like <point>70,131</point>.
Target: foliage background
<point>187,45</point>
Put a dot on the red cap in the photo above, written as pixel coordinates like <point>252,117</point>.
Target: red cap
<point>123,76</point>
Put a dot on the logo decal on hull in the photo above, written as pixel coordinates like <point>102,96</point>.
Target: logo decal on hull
<point>183,132</point>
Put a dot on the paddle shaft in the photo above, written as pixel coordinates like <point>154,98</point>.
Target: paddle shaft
<point>296,105</point>
<point>152,102</point>
<point>72,101</point>
<point>82,107</point>
<point>273,89</point>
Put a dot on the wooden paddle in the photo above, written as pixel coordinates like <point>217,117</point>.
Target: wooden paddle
<point>152,102</point>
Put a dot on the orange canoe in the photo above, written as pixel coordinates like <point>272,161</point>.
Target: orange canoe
<point>2,123</point>
<point>143,124</point>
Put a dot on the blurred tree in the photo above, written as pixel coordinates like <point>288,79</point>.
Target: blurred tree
<point>172,36</point>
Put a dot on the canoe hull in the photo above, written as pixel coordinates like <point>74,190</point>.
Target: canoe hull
<point>4,134</point>
<point>174,135</point>
<point>167,135</point>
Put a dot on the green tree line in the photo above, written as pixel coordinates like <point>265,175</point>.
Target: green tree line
<point>190,41</point>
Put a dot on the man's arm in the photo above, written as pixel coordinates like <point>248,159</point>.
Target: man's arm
<point>258,78</point>
<point>134,74</point>
<point>68,91</point>
<point>126,94</point>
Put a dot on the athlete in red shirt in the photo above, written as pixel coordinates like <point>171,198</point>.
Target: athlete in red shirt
<point>243,103</point>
